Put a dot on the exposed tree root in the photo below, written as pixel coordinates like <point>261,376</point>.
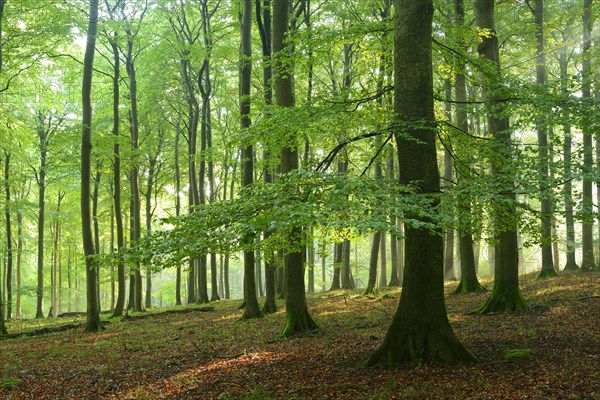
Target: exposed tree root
<point>468,286</point>
<point>503,298</point>
<point>298,323</point>
<point>414,346</point>
<point>547,273</point>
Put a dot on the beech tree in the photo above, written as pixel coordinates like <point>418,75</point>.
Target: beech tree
<point>506,295</point>
<point>297,317</point>
<point>420,328</point>
<point>252,309</point>
<point>468,274</point>
<point>587,225</point>
<point>93,310</point>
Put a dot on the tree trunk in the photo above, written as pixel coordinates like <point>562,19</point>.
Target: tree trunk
<point>587,237</point>
<point>252,309</point>
<point>468,272</point>
<point>263,19</point>
<point>420,329</point>
<point>41,218</point>
<point>449,274</point>
<point>121,282</point>
<point>134,178</point>
<point>373,264</point>
<point>505,295</point>
<point>297,317</point>
<point>93,310</point>
<point>177,213</point>
<point>19,261</point>
<point>394,279</point>
<point>337,267</point>
<point>546,200</point>
<point>377,237</point>
<point>9,248</point>
<point>95,225</point>
<point>310,255</point>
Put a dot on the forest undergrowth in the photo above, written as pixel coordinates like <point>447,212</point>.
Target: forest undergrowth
<point>549,351</point>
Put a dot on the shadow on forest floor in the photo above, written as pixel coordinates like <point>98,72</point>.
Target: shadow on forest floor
<point>549,351</point>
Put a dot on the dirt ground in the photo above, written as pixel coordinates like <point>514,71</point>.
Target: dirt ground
<point>549,351</point>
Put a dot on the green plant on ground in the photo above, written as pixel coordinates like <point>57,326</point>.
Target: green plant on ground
<point>518,354</point>
<point>9,382</point>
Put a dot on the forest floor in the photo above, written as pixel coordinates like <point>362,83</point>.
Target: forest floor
<point>549,351</point>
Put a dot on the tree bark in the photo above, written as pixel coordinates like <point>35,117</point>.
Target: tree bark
<point>252,309</point>
<point>9,248</point>
<point>505,295</point>
<point>373,264</point>
<point>420,329</point>
<point>587,236</point>
<point>177,213</point>
<point>298,318</point>
<point>394,278</point>
<point>41,178</point>
<point>134,178</point>
<point>546,200</point>
<point>468,272</point>
<point>93,310</point>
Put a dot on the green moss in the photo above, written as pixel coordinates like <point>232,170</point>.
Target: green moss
<point>9,382</point>
<point>518,354</point>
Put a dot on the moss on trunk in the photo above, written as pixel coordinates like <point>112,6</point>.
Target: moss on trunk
<point>468,286</point>
<point>504,297</point>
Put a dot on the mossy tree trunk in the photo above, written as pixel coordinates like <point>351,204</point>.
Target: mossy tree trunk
<point>505,295</point>
<point>420,329</point>
<point>297,318</point>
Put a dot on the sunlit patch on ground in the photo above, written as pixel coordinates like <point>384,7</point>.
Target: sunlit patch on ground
<point>196,377</point>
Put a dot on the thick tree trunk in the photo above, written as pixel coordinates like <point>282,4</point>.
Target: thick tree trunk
<point>505,295</point>
<point>93,310</point>
<point>420,329</point>
<point>297,317</point>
